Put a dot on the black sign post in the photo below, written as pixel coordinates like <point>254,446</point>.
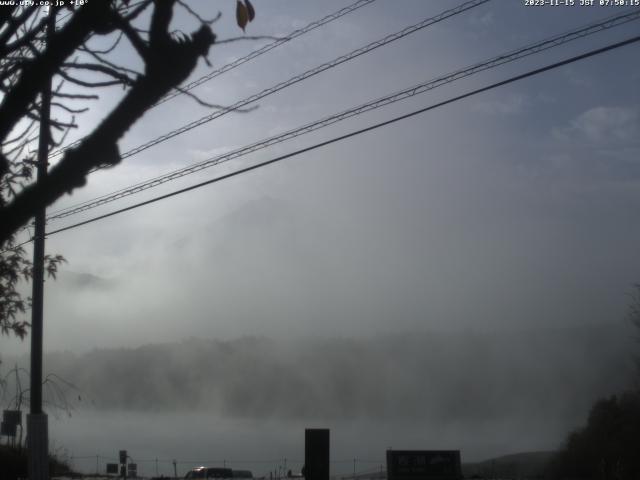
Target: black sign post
<point>316,454</point>
<point>423,465</point>
<point>123,463</point>
<point>12,417</point>
<point>10,421</point>
<point>8,429</point>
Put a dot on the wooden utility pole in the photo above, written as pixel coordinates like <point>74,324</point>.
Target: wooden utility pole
<point>37,424</point>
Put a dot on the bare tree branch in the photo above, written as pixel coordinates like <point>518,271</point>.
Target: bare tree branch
<point>84,83</point>
<point>69,109</point>
<point>106,51</point>
<point>168,62</point>
<point>75,96</point>
<point>121,77</point>
<point>29,36</point>
<point>132,35</point>
<point>197,16</point>
<point>129,17</point>
<point>109,64</point>
<point>214,105</point>
<point>14,24</point>
<point>35,72</point>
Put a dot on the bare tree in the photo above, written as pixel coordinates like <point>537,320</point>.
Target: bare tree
<point>61,396</point>
<point>68,56</point>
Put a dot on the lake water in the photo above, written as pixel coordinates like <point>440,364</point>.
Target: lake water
<point>90,439</point>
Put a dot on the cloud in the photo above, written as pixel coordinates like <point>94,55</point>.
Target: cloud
<point>603,125</point>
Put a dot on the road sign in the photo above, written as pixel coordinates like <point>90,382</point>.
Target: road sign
<point>12,417</point>
<point>112,468</point>
<point>423,465</point>
<point>8,429</point>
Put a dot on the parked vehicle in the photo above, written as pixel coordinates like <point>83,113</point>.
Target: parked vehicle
<point>209,472</point>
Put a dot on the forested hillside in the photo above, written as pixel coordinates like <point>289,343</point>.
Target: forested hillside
<point>547,373</point>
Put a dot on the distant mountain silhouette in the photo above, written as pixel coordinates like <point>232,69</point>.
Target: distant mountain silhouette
<point>518,465</point>
<point>460,376</point>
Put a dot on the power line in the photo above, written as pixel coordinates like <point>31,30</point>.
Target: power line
<point>309,73</point>
<point>250,56</point>
<point>359,132</point>
<point>256,53</point>
<point>513,55</point>
<point>306,75</point>
<point>16,247</point>
<point>557,40</point>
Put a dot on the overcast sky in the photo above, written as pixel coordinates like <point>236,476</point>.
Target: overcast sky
<point>511,209</point>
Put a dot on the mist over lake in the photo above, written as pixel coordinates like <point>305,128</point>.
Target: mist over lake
<point>247,401</point>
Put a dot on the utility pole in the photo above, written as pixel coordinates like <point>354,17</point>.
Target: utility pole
<point>37,424</point>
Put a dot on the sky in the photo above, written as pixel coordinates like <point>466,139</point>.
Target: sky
<point>512,209</point>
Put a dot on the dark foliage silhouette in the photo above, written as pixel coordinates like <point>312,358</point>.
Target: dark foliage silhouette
<point>607,448</point>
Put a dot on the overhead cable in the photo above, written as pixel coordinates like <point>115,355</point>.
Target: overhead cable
<point>306,75</point>
<point>516,78</point>
<point>431,84</point>
<point>270,46</point>
<point>250,56</point>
